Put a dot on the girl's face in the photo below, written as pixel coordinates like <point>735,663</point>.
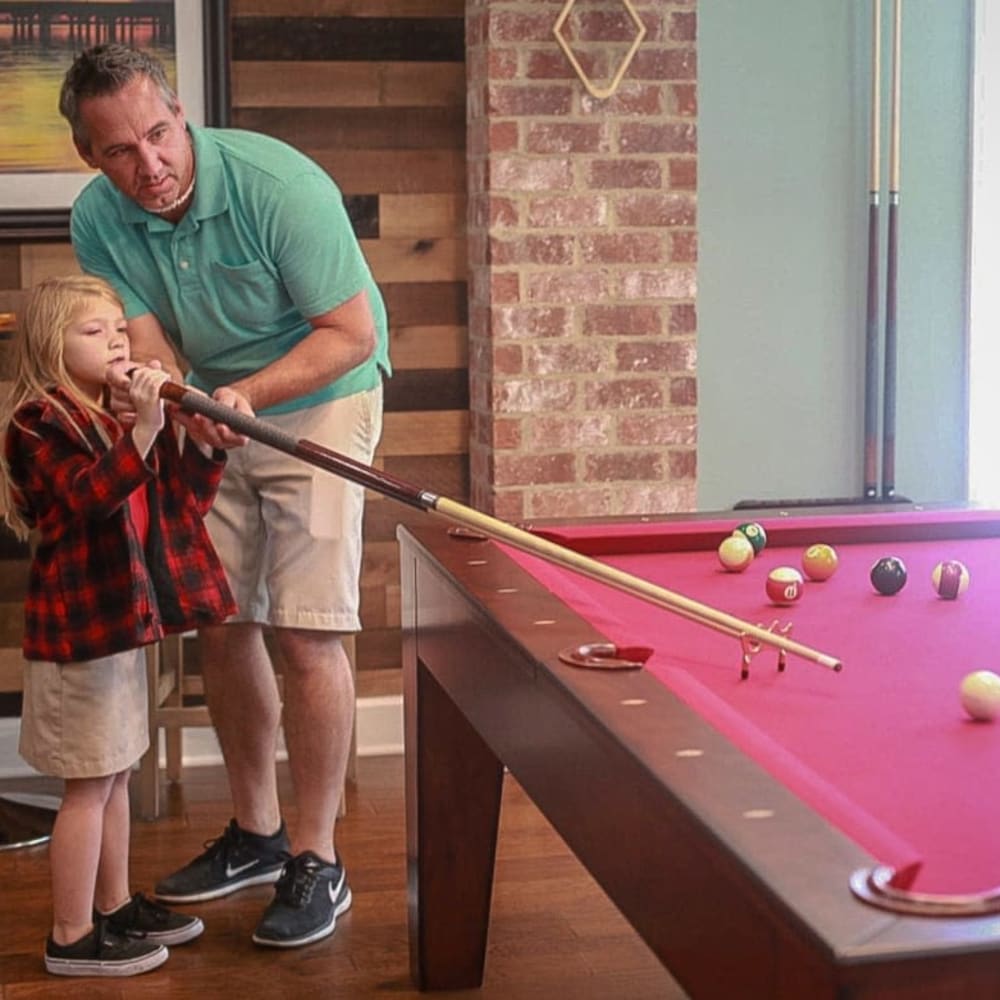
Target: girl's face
<point>96,338</point>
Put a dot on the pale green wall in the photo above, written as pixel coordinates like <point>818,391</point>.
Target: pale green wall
<point>783,205</point>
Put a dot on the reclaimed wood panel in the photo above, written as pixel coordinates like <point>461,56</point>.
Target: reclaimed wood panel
<point>429,347</point>
<point>350,8</point>
<point>423,215</point>
<point>268,84</point>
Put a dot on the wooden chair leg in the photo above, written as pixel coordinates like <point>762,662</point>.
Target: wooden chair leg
<point>352,760</point>
<point>149,764</point>
<point>173,660</point>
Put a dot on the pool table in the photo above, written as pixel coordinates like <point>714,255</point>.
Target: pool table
<point>790,833</point>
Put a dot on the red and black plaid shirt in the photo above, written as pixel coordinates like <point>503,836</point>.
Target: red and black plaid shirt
<point>94,588</point>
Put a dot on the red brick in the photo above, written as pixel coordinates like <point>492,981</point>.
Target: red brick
<point>520,100</point>
<point>566,286</point>
<point>586,24</point>
<point>658,428</point>
<point>624,394</point>
<point>505,287</point>
<point>670,209</point>
<point>587,430</point>
<point>664,283</point>
<point>508,505</point>
<point>683,174</point>
<point>640,137</point>
<point>631,98</point>
<point>623,320</point>
<point>684,392</point>
<point>594,502</point>
<point>683,464</point>
<point>503,137</point>
<point>621,173</point>
<point>683,26</point>
<point>683,319</point>
<point>656,356</point>
<point>566,137</point>
<point>524,173</point>
<point>502,64</point>
<point>512,26</point>
<point>555,357</point>
<point>621,248</point>
<point>684,246</point>
<point>656,498</point>
<point>684,100</point>
<point>541,395</point>
<point>568,211</point>
<point>530,322</point>
<point>531,470</point>
<point>507,434</point>
<point>503,211</point>
<point>507,359</point>
<point>551,64</point>
<point>623,466</point>
<point>664,64</point>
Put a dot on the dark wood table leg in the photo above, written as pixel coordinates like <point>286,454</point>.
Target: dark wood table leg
<point>453,790</point>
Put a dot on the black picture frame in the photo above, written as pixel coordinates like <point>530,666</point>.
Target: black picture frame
<point>48,225</point>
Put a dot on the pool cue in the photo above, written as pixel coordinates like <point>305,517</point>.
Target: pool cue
<point>491,527</point>
<point>871,319</point>
<point>892,258</point>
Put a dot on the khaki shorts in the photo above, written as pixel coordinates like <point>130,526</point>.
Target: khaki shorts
<point>85,720</point>
<point>289,533</point>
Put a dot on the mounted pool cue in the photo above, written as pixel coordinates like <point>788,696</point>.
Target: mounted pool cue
<point>892,261</point>
<point>871,320</point>
<point>491,527</point>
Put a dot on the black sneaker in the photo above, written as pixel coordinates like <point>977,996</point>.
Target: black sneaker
<point>233,861</point>
<point>102,952</point>
<point>308,898</point>
<point>141,917</point>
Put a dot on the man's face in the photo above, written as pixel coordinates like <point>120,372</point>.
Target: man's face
<point>139,144</point>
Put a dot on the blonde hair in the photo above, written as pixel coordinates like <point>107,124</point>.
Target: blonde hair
<point>52,307</point>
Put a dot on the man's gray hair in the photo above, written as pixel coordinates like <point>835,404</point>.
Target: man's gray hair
<point>104,70</point>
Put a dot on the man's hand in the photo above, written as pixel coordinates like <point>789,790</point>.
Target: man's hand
<point>205,430</point>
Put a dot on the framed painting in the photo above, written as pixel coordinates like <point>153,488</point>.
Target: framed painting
<point>40,171</point>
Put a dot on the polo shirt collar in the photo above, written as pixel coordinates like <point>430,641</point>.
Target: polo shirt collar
<point>210,196</point>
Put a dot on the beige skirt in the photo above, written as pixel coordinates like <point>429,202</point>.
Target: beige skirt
<point>85,720</point>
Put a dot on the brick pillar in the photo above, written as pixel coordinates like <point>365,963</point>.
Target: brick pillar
<point>582,260</point>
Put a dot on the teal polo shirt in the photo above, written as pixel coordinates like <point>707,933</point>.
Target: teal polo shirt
<point>265,244</point>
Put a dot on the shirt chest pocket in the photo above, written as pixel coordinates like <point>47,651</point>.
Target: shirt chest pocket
<point>249,295</point>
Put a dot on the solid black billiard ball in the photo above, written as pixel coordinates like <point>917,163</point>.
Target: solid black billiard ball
<point>889,575</point>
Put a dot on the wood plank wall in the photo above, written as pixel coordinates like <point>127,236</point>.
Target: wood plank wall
<point>374,90</point>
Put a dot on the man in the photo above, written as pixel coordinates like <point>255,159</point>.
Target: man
<point>234,251</point>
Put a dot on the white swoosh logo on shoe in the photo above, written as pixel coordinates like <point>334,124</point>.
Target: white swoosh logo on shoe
<point>239,869</point>
<point>334,893</point>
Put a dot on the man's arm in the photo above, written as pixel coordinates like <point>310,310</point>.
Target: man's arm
<point>341,339</point>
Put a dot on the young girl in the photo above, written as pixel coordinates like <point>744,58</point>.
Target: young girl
<point>121,559</point>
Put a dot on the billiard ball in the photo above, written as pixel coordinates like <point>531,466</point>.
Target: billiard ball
<point>819,562</point>
<point>950,578</point>
<point>888,575</point>
<point>979,693</point>
<point>784,585</point>
<point>755,533</point>
<point>736,553</point>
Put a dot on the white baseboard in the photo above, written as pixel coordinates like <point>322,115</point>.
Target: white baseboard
<point>380,734</point>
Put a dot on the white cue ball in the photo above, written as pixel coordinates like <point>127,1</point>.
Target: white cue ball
<point>980,695</point>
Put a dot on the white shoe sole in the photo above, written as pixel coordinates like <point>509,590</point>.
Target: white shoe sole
<point>84,967</point>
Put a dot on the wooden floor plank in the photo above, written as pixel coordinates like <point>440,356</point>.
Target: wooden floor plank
<point>554,933</point>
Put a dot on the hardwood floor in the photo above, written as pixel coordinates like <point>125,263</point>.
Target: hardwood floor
<point>553,934</point>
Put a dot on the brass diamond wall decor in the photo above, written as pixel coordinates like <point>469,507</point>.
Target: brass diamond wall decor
<point>600,92</point>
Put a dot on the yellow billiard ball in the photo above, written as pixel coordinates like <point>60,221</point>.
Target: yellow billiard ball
<point>819,561</point>
<point>736,553</point>
<point>979,693</point>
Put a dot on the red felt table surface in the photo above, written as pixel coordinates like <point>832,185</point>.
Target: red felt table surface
<point>883,749</point>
